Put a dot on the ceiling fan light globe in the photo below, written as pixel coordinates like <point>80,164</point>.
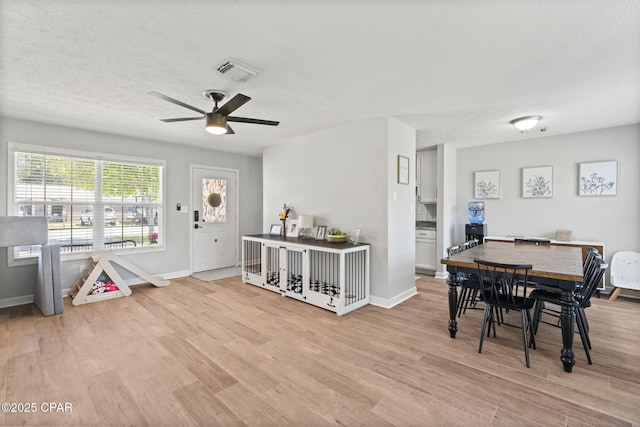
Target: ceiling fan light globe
<point>216,130</point>
<point>216,124</point>
<point>523,124</point>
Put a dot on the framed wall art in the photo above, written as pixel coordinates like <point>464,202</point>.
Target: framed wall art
<point>487,185</point>
<point>598,179</point>
<point>403,170</point>
<point>537,182</point>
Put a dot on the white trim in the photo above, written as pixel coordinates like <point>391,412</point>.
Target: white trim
<point>442,275</point>
<point>40,149</point>
<point>75,256</point>
<point>14,301</point>
<point>174,274</point>
<point>392,302</point>
<point>13,147</point>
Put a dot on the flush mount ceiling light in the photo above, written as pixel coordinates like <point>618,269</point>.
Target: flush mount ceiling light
<point>236,70</point>
<point>523,124</point>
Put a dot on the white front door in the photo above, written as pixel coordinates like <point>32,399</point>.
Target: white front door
<point>213,218</point>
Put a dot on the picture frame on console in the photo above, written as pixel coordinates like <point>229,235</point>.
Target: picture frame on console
<point>321,232</point>
<point>275,229</point>
<point>292,228</point>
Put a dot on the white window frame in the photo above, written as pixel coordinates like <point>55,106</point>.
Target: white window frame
<point>13,147</point>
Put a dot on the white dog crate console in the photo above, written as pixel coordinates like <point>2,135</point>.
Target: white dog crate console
<point>333,276</point>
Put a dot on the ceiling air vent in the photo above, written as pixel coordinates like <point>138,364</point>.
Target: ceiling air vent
<point>236,70</point>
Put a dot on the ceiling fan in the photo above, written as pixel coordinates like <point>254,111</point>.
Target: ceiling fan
<point>217,120</point>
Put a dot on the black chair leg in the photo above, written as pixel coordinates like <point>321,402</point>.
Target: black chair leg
<point>583,337</point>
<point>470,296</point>
<point>532,341</point>
<point>461,300</point>
<point>493,317</point>
<point>524,336</point>
<point>487,310</point>
<point>586,322</point>
<point>581,316</point>
<point>537,314</point>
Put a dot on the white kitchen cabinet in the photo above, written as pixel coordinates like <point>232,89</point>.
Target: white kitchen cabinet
<point>427,176</point>
<point>333,276</point>
<point>426,249</point>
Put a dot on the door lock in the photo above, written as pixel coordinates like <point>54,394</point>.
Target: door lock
<point>196,226</point>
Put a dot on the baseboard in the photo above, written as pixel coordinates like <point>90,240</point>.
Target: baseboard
<point>442,275</point>
<point>174,275</point>
<point>392,302</point>
<point>425,271</point>
<point>14,301</point>
<point>29,299</point>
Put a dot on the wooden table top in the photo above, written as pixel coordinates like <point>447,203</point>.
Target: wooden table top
<point>554,262</point>
<point>308,241</point>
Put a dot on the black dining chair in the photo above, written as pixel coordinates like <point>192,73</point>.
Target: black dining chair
<point>507,292</point>
<point>592,276</point>
<point>591,261</point>
<point>452,250</point>
<point>470,286</point>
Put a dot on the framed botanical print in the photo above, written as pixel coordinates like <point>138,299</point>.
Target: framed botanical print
<point>598,179</point>
<point>537,182</point>
<point>487,185</point>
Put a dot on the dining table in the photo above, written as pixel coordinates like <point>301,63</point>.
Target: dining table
<point>552,266</point>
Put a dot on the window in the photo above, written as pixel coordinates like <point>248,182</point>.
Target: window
<point>91,203</point>
<point>214,200</point>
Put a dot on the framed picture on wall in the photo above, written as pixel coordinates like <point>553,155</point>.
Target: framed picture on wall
<point>598,179</point>
<point>537,182</point>
<point>487,185</point>
<point>403,170</point>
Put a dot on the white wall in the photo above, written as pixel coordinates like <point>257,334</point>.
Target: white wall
<point>19,281</point>
<point>401,214</point>
<point>610,219</point>
<point>346,178</point>
<point>447,204</point>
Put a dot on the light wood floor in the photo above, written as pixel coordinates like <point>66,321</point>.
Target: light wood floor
<point>226,353</point>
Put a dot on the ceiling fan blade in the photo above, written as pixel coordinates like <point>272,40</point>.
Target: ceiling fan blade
<point>254,121</point>
<point>183,119</point>
<point>175,101</point>
<point>229,130</point>
<point>233,104</point>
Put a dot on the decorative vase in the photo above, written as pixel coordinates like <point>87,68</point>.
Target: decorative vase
<point>284,228</point>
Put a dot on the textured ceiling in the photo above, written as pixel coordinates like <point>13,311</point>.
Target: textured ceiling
<point>457,71</point>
